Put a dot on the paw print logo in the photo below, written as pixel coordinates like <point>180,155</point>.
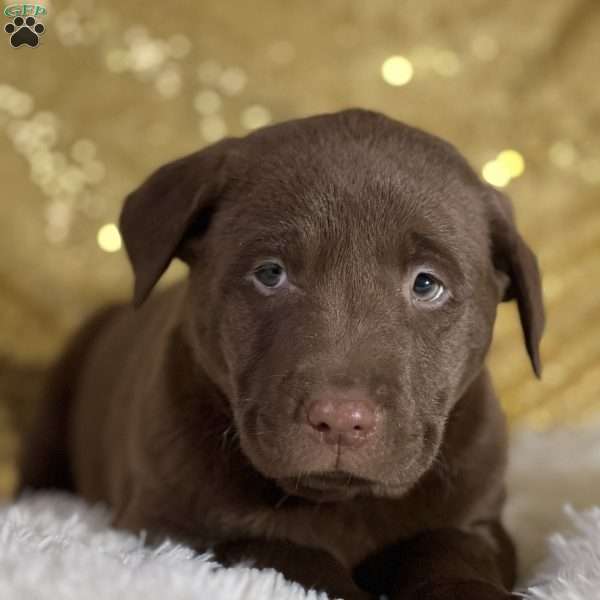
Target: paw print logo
<point>24,31</point>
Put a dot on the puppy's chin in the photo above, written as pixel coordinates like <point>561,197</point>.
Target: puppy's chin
<point>330,486</point>
<point>340,487</point>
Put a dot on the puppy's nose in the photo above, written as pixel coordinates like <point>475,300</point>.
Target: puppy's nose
<point>345,417</point>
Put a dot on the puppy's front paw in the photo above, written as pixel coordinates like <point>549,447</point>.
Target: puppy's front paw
<point>459,590</point>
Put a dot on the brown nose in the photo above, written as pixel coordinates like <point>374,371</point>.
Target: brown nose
<point>345,417</point>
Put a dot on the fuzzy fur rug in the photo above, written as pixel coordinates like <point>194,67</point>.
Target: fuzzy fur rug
<point>55,547</point>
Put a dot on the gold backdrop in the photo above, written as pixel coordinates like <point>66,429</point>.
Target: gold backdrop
<point>116,88</point>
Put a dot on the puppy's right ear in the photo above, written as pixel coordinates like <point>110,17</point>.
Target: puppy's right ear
<point>156,217</point>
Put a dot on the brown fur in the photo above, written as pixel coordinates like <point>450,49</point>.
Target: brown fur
<point>188,414</point>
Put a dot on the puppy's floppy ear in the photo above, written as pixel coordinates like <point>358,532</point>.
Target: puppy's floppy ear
<point>515,260</point>
<point>156,216</point>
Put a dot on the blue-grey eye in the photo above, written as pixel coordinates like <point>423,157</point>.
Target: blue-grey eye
<point>426,287</point>
<point>270,274</point>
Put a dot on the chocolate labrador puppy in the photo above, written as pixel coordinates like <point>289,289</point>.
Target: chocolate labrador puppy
<point>313,397</point>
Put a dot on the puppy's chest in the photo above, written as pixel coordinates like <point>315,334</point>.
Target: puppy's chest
<point>350,532</point>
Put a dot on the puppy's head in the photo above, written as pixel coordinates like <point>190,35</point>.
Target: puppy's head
<point>345,271</point>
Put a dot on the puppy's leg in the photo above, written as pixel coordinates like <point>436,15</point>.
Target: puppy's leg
<point>312,568</point>
<point>445,564</point>
<point>309,567</point>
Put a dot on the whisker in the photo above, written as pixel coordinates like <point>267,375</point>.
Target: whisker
<point>229,437</point>
<point>281,501</point>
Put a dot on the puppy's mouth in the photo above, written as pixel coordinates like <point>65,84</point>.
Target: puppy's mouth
<point>327,486</point>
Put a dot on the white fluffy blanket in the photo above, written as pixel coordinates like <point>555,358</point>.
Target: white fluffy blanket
<point>57,548</point>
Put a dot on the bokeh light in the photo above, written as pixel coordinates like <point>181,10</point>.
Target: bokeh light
<point>507,165</point>
<point>397,70</point>
<point>255,116</point>
<point>496,173</point>
<point>109,238</point>
<point>513,161</point>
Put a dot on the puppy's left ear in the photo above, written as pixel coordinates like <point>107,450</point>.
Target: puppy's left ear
<point>515,260</point>
<point>156,218</point>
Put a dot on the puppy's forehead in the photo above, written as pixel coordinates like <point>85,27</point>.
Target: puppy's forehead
<point>350,145</point>
<point>353,172</point>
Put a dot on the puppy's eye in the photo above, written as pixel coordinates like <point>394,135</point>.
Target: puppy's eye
<point>270,274</point>
<point>427,288</point>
